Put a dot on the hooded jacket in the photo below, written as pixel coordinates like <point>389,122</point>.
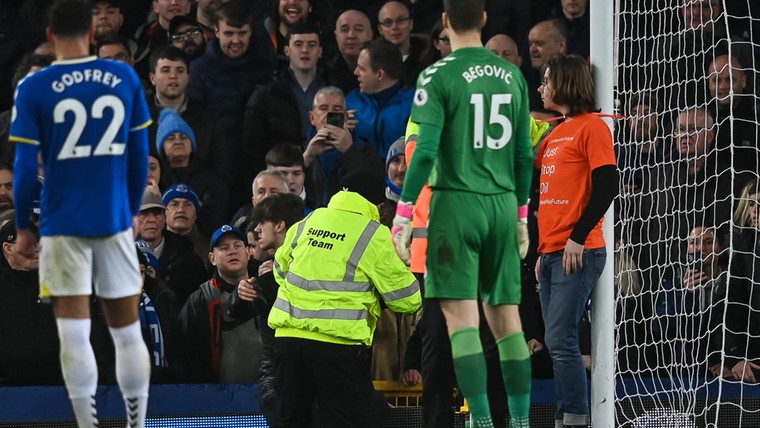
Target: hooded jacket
<point>333,268</point>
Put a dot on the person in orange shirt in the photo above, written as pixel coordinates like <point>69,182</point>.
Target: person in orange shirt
<point>578,183</point>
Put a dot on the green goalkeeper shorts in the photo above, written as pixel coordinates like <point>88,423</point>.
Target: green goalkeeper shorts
<point>472,247</point>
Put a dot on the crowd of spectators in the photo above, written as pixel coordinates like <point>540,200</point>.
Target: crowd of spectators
<point>688,155</point>
<point>251,98</point>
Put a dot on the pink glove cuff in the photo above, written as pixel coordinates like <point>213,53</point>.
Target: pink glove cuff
<point>395,229</point>
<point>522,213</point>
<point>405,210</point>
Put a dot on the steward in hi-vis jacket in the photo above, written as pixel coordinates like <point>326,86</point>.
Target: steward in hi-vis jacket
<point>334,268</point>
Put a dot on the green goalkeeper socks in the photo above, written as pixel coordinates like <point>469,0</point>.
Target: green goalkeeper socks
<point>516,370</point>
<point>470,368</point>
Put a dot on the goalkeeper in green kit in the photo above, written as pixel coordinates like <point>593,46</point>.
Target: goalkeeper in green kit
<point>474,150</point>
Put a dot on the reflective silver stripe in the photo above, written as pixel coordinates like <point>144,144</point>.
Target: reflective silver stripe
<point>392,296</point>
<point>277,267</point>
<point>419,232</point>
<point>304,284</point>
<point>325,314</point>
<point>298,234</point>
<point>358,251</point>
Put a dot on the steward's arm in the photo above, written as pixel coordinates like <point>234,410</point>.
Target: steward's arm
<point>397,286</point>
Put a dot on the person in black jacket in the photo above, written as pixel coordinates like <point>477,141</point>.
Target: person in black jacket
<point>335,158</point>
<point>29,355</point>
<point>170,75</point>
<point>214,347</point>
<point>742,325</point>
<point>158,316</point>
<point>255,296</point>
<point>352,30</point>
<point>279,112</point>
<point>178,265</point>
<point>395,24</point>
<point>176,143</point>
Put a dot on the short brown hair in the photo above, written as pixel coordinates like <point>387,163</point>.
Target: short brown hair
<point>572,84</point>
<point>285,207</point>
<point>286,155</point>
<point>464,15</point>
<point>235,13</point>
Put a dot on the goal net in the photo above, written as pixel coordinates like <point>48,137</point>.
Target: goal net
<point>687,258</point>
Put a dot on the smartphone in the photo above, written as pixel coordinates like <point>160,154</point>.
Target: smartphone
<point>694,261</point>
<point>336,118</point>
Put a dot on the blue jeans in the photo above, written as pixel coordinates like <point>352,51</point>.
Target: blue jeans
<point>563,299</point>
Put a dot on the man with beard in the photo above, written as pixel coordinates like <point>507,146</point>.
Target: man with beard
<point>188,35</point>
<point>106,17</point>
<point>6,187</point>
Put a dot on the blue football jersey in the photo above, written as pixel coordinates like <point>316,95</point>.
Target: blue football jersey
<point>81,115</point>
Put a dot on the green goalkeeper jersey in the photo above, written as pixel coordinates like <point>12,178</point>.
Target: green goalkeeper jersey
<point>480,102</point>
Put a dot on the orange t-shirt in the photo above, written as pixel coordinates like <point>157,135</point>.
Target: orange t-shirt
<point>566,158</point>
<point>419,218</point>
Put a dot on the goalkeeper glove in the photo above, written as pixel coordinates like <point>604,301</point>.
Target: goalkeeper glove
<point>402,231</point>
<point>523,241</point>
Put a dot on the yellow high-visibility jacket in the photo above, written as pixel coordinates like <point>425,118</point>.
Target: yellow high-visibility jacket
<point>333,269</point>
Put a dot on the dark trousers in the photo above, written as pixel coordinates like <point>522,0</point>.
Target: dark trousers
<point>335,378</point>
<point>438,375</point>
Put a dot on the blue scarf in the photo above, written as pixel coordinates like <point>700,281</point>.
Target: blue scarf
<point>149,322</point>
<point>392,188</point>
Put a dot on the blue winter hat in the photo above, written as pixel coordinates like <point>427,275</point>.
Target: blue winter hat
<point>147,252</point>
<point>225,230</point>
<point>184,191</point>
<point>396,150</point>
<point>169,122</point>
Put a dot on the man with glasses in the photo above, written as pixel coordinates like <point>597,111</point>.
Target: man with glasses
<point>154,34</point>
<point>186,34</point>
<point>114,47</point>
<point>395,24</point>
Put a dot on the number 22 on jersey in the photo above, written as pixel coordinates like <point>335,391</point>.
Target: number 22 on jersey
<point>479,133</point>
<point>106,146</point>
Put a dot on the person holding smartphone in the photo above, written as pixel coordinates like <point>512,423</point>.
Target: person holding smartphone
<point>689,305</point>
<point>334,158</point>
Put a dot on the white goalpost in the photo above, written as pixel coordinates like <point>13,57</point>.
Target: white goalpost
<point>676,315</point>
<point>603,315</point>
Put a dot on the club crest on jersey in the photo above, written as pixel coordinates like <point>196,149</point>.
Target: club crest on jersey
<point>420,97</point>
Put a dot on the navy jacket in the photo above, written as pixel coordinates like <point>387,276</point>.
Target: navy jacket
<point>224,84</point>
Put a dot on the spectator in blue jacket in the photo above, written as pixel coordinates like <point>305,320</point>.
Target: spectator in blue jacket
<point>382,102</point>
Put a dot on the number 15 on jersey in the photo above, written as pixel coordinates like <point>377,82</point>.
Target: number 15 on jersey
<point>494,118</point>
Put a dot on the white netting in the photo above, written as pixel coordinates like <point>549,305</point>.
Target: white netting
<point>688,296</point>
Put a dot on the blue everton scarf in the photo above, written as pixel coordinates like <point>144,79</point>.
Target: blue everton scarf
<point>149,322</point>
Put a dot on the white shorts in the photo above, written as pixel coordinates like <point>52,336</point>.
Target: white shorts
<point>71,265</point>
